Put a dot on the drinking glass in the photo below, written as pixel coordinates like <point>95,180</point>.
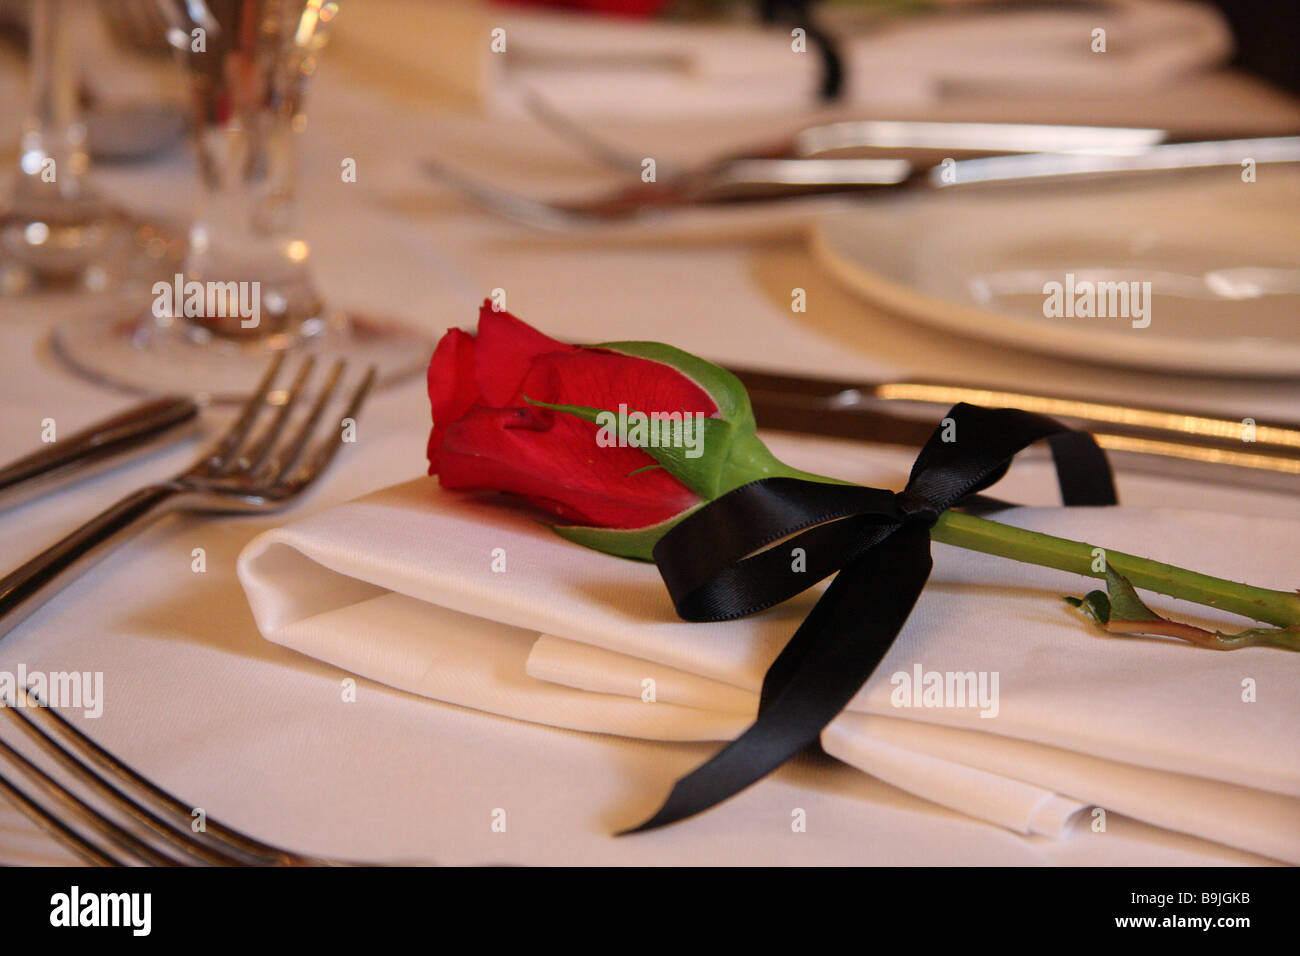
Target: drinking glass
<point>245,290</point>
<point>56,232</point>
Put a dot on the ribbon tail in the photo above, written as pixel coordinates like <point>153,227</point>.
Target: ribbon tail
<point>835,651</point>
<point>1082,470</point>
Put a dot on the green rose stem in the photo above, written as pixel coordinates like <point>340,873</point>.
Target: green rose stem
<point>1281,608</point>
<point>973,533</point>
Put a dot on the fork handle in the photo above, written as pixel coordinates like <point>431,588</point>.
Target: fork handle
<point>29,586</point>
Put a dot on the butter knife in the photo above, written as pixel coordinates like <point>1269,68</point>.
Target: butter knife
<point>106,444</point>
<point>1186,444</point>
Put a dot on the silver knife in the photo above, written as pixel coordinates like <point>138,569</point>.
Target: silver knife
<point>104,445</point>
<point>1172,443</point>
<point>971,137</point>
<point>837,174</point>
<point>1165,156</point>
<point>759,179</point>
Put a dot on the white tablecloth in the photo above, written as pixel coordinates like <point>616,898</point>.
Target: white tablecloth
<point>261,738</point>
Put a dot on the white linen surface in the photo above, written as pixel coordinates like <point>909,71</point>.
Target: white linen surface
<point>399,587</point>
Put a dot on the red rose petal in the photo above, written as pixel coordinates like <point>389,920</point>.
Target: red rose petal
<point>595,378</point>
<point>506,349</point>
<point>452,391</point>
<point>553,460</point>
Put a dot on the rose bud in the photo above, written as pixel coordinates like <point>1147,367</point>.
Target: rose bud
<point>517,411</point>
<point>623,8</point>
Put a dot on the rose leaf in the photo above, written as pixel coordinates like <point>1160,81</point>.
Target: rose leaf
<point>1119,611</point>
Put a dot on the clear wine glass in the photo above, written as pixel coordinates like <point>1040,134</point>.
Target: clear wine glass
<point>56,232</point>
<point>245,289</point>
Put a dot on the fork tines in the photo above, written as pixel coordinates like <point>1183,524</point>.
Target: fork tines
<point>144,823</point>
<point>273,456</point>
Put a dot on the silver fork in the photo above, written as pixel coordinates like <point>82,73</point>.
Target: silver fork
<point>946,137</point>
<point>244,472</point>
<point>163,833</point>
<point>782,178</point>
<point>736,180</point>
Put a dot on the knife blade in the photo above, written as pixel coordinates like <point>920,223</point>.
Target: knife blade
<point>969,137</point>
<point>1157,158</point>
<point>1184,444</point>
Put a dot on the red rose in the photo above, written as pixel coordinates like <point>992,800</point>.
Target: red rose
<point>487,435</point>
<point>626,8</point>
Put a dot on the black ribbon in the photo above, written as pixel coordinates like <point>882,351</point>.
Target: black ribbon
<point>799,13</point>
<point>718,566</point>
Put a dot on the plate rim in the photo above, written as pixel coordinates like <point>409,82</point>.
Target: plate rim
<point>1246,357</point>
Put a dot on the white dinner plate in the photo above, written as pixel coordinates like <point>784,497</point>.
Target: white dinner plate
<point>1222,257</point>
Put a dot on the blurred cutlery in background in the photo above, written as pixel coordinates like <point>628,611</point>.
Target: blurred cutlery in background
<point>757,179</point>
<point>748,179</point>
<point>1161,158</point>
<point>827,138</point>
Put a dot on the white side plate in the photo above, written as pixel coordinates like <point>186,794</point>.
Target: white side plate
<point>1222,257</point>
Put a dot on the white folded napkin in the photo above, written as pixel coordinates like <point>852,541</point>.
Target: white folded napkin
<point>400,587</point>
<point>612,66</point>
<point>995,798</point>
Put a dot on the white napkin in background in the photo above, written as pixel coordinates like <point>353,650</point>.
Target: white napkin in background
<point>399,587</point>
<point>591,65</point>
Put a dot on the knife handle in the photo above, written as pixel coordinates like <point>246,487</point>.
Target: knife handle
<point>122,437</point>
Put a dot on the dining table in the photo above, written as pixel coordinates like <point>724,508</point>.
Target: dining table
<point>272,742</point>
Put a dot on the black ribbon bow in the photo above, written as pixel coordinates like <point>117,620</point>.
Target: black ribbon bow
<point>718,565</point>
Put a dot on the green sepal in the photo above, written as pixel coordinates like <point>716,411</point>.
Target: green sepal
<point>702,474</point>
<point>727,391</point>
<point>635,543</point>
<point>746,457</point>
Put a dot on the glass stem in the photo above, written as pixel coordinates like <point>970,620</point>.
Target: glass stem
<point>53,156</point>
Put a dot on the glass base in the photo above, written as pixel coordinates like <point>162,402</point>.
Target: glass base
<point>94,248</point>
<point>152,356</point>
